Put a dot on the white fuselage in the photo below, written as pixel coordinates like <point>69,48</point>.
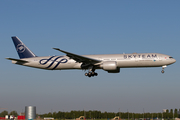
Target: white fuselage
<point>122,60</point>
<point>108,62</point>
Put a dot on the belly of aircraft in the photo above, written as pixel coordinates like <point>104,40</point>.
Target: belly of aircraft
<point>139,63</point>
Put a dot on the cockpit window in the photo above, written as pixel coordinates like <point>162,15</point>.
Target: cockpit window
<point>170,57</point>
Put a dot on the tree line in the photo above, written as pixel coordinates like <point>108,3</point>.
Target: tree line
<point>169,114</point>
<point>4,113</point>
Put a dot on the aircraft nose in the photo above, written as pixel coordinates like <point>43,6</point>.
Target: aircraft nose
<point>173,60</point>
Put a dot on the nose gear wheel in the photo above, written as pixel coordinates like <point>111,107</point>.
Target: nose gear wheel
<point>163,67</point>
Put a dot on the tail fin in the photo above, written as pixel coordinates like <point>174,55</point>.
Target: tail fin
<point>23,51</point>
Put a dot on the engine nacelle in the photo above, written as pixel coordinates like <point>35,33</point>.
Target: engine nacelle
<point>110,66</point>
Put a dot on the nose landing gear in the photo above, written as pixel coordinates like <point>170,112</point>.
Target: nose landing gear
<point>163,67</point>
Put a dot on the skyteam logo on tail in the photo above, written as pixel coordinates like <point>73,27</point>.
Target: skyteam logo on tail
<point>20,48</point>
<point>53,61</point>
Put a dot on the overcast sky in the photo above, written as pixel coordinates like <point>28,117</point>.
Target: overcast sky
<point>90,27</point>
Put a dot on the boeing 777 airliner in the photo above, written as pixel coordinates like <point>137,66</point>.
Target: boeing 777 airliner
<point>108,62</point>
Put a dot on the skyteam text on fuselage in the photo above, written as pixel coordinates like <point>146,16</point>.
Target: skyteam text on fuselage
<point>108,62</point>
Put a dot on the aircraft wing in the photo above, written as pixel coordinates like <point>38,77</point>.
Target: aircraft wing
<point>79,58</point>
<point>18,60</point>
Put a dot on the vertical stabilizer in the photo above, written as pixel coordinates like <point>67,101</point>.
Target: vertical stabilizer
<point>23,51</point>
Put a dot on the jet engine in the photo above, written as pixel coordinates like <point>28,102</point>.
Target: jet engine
<point>110,67</point>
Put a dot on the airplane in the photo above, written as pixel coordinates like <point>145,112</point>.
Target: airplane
<point>108,62</point>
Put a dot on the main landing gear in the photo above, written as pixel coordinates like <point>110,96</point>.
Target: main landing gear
<point>91,72</point>
<point>163,67</point>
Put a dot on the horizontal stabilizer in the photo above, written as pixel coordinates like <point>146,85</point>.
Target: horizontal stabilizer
<point>18,60</point>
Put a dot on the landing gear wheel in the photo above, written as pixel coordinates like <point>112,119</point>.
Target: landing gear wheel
<point>86,74</point>
<point>96,74</point>
<point>163,67</point>
<point>91,72</point>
